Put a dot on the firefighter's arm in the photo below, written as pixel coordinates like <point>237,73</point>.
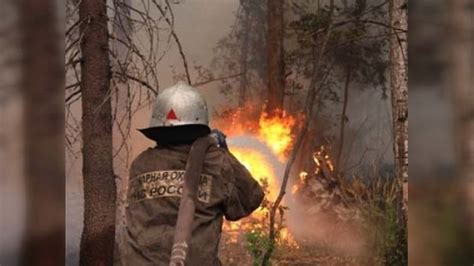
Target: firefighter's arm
<point>244,193</point>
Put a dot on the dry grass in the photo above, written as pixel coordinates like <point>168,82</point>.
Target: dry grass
<point>347,221</point>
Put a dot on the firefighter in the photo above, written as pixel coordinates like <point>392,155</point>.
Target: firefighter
<point>226,188</point>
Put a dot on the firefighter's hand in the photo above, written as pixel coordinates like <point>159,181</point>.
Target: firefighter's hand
<point>220,138</point>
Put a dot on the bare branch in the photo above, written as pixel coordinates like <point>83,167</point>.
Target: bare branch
<point>175,37</point>
<point>197,84</point>
<point>142,82</point>
<point>72,85</point>
<point>72,95</point>
<point>368,21</point>
<point>74,26</point>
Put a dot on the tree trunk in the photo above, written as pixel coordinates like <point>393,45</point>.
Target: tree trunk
<point>461,82</point>
<point>343,120</point>
<point>308,109</point>
<point>97,242</point>
<point>275,56</point>
<point>244,53</point>
<point>42,78</point>
<point>399,94</point>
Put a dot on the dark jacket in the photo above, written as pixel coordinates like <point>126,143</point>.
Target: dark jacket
<point>156,178</point>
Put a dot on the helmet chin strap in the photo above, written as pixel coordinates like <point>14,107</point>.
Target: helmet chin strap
<point>187,205</point>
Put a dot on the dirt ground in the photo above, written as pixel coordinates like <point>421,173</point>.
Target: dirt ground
<point>236,254</point>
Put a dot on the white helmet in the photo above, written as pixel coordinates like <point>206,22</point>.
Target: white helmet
<point>179,105</point>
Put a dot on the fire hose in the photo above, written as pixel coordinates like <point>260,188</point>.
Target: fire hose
<point>187,206</point>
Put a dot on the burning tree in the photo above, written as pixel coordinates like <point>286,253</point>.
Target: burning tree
<point>327,43</point>
<point>275,56</point>
<point>262,146</point>
<point>333,52</point>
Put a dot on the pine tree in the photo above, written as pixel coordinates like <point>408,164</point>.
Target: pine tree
<point>97,242</point>
<point>275,55</point>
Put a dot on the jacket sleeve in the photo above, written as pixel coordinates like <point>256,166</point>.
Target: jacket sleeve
<point>244,193</point>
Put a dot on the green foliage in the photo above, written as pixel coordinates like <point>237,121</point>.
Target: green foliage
<point>395,241</point>
<point>309,23</point>
<point>244,45</point>
<point>257,239</point>
<point>257,242</point>
<point>388,237</point>
<point>354,42</point>
<point>377,200</point>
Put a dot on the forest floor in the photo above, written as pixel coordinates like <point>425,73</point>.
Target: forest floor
<point>236,253</point>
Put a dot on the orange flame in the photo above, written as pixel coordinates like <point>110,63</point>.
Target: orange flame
<point>322,160</point>
<point>320,156</point>
<point>258,166</point>
<point>276,131</point>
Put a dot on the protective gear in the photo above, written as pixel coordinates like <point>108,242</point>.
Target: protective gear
<point>179,116</point>
<point>179,105</point>
<point>226,189</point>
<point>220,138</point>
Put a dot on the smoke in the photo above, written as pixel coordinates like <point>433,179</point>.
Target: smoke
<point>307,226</point>
<point>321,229</point>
